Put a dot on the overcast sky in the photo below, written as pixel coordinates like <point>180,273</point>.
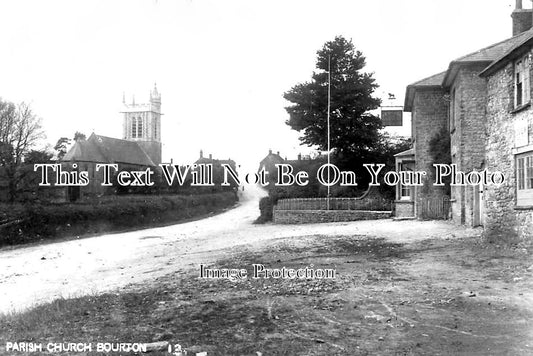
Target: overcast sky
<point>221,65</point>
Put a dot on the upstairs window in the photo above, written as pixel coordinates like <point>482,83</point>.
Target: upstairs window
<point>521,82</point>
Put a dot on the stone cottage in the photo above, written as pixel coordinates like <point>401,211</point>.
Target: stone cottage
<point>483,101</point>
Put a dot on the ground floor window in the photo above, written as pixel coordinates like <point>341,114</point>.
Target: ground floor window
<point>524,179</point>
<point>406,192</point>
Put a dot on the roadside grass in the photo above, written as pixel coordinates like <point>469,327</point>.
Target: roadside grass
<point>22,224</point>
<point>386,299</point>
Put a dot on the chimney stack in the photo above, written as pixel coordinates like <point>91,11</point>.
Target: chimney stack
<point>522,18</point>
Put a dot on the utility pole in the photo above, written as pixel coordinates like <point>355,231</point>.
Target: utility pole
<point>329,148</point>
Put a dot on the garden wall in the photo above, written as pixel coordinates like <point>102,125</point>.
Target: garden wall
<point>321,216</point>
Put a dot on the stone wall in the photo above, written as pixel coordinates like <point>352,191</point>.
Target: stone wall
<point>504,220</point>
<point>367,203</point>
<point>430,116</point>
<point>322,216</point>
<point>404,209</point>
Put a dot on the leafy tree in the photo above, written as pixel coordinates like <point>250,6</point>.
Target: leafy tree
<point>354,131</point>
<point>38,156</point>
<point>61,147</point>
<point>20,129</point>
<point>79,136</point>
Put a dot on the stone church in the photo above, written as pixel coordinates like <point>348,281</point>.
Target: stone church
<point>139,148</point>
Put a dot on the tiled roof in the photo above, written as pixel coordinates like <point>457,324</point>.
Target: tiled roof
<point>490,55</point>
<point>99,148</point>
<point>434,81</point>
<point>495,51</point>
<point>525,38</point>
<point>409,152</point>
<point>85,151</point>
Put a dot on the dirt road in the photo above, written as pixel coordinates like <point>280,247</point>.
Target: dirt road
<point>39,273</point>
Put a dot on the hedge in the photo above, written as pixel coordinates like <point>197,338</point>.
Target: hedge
<point>26,223</point>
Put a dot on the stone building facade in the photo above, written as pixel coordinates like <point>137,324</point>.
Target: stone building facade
<point>489,119</point>
<point>429,104</point>
<point>509,145</point>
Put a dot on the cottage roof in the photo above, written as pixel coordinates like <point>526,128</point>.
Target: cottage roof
<point>525,39</point>
<point>205,160</point>
<point>409,152</point>
<point>485,55</point>
<point>271,158</point>
<point>491,56</point>
<point>434,81</point>
<point>104,149</point>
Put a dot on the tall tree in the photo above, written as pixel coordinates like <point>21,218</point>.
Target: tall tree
<point>20,129</point>
<point>354,131</point>
<point>38,156</point>
<point>61,147</point>
<point>79,136</point>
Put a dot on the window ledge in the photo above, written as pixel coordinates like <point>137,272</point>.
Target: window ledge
<point>521,107</point>
<point>523,207</point>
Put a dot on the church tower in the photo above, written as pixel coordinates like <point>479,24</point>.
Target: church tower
<point>142,124</point>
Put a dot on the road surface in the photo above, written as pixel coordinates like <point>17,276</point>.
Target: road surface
<point>31,275</point>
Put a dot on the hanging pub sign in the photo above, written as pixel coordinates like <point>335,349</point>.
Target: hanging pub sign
<point>392,116</point>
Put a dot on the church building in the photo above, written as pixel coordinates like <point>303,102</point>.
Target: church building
<point>140,147</point>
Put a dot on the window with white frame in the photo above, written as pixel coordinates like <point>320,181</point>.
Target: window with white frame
<point>405,190</point>
<point>521,81</point>
<point>524,179</point>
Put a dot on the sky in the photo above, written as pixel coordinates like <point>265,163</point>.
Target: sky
<point>221,66</point>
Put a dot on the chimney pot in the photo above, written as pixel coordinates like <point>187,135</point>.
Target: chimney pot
<point>210,156</point>
<point>518,5</point>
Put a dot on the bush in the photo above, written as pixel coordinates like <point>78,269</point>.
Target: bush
<point>25,223</point>
<point>266,206</point>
